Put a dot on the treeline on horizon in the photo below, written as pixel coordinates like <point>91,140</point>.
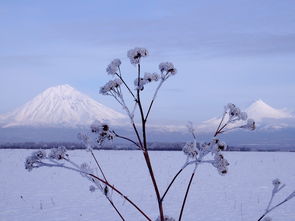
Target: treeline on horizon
<point>157,146</point>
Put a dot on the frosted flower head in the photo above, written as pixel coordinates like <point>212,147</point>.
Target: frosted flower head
<point>30,162</point>
<point>113,67</point>
<point>166,218</point>
<point>103,131</point>
<point>219,145</point>
<point>190,150</point>
<point>58,153</point>
<point>250,125</point>
<point>40,154</point>
<point>110,86</point>
<point>139,85</point>
<point>136,54</point>
<point>98,126</point>
<point>220,163</point>
<point>149,77</point>
<point>167,68</point>
<point>276,182</point>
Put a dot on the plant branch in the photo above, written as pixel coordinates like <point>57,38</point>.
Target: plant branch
<point>185,197</point>
<point>121,194</point>
<point>121,78</point>
<point>174,178</point>
<point>126,138</point>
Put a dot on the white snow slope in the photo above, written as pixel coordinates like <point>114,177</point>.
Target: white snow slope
<point>60,106</point>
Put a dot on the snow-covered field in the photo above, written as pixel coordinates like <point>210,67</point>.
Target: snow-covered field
<point>49,194</point>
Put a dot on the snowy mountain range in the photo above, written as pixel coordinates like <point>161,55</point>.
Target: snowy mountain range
<point>60,112</point>
<point>60,106</point>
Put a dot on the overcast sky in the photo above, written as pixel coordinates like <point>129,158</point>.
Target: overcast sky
<point>225,51</point>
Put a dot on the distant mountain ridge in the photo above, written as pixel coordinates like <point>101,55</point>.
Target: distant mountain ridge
<point>60,106</point>
<point>265,116</point>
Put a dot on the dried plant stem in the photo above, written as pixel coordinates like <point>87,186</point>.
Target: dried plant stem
<point>185,197</point>
<point>121,194</point>
<point>145,150</point>
<point>115,208</point>
<point>269,210</point>
<point>120,76</point>
<point>174,178</point>
<point>99,167</point>
<point>126,138</point>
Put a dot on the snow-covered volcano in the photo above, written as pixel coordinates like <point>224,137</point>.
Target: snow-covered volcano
<point>60,106</point>
<point>259,111</point>
<point>265,116</point>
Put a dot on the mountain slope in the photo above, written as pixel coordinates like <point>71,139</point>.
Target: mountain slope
<point>60,106</point>
<point>259,110</point>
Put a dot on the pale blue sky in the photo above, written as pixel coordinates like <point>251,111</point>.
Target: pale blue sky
<point>225,51</point>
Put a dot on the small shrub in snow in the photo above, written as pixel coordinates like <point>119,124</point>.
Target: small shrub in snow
<point>196,152</point>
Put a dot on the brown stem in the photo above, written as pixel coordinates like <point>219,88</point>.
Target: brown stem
<point>217,130</point>
<point>121,194</point>
<point>121,78</point>
<point>145,152</point>
<point>126,138</point>
<point>174,178</point>
<point>96,161</point>
<point>185,197</point>
<point>110,201</point>
<point>113,205</point>
<point>149,110</point>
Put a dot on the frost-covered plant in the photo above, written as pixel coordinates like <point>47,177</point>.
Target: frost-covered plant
<point>277,187</point>
<point>196,152</point>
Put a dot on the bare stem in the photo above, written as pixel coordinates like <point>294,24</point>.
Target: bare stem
<point>145,150</point>
<point>126,138</point>
<point>174,178</point>
<point>185,197</point>
<point>96,161</point>
<point>217,130</point>
<point>121,194</point>
<point>121,78</point>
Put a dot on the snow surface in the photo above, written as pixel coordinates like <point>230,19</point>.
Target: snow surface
<point>55,194</point>
<point>60,106</point>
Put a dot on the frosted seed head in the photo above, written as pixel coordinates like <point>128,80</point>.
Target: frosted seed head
<point>136,54</point>
<point>40,154</point>
<point>168,68</point>
<point>113,67</point>
<point>58,153</point>
<point>190,150</point>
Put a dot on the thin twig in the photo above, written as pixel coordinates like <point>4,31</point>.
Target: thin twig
<point>126,138</point>
<point>121,78</point>
<point>174,178</point>
<point>121,194</point>
<point>185,197</point>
